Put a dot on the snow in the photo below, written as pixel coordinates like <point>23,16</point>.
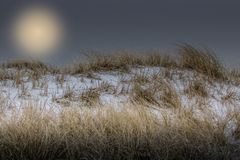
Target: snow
<point>47,87</point>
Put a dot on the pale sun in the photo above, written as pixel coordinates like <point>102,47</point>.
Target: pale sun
<point>37,31</point>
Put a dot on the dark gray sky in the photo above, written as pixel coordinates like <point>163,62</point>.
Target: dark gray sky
<point>139,24</point>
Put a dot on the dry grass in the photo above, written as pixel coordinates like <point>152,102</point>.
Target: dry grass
<point>102,62</point>
<point>60,78</point>
<point>156,58</point>
<point>113,62</point>
<point>234,76</point>
<point>91,95</point>
<point>142,92</point>
<point>121,61</point>
<point>141,95</point>
<point>68,93</point>
<point>35,69</point>
<point>154,90</point>
<point>201,61</point>
<point>191,58</point>
<point>129,133</point>
<point>196,88</point>
<point>24,64</point>
<point>141,77</point>
<point>230,97</point>
<point>3,74</point>
<point>170,97</point>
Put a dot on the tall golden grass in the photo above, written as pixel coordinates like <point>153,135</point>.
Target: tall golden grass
<point>107,133</point>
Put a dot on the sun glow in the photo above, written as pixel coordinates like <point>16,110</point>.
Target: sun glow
<point>37,31</point>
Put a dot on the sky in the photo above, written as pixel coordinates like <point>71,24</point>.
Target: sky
<point>137,25</point>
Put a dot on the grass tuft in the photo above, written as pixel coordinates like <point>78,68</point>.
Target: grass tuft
<point>196,88</point>
<point>201,61</point>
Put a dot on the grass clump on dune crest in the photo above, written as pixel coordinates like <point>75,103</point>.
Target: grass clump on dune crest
<point>201,61</point>
<point>121,61</point>
<point>33,69</point>
<point>107,133</point>
<point>33,65</point>
<point>102,62</point>
<point>158,59</point>
<point>24,64</point>
<point>191,58</point>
